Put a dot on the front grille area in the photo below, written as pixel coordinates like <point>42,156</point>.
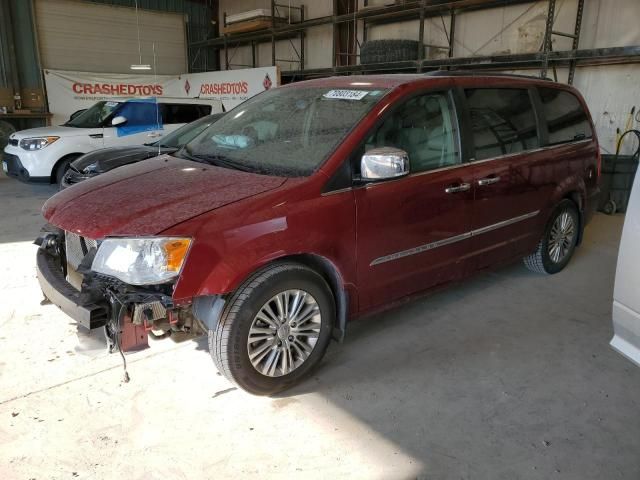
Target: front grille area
<point>13,142</point>
<point>14,166</point>
<point>77,247</point>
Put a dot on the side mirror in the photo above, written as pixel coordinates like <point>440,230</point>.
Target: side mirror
<point>119,120</point>
<point>384,163</point>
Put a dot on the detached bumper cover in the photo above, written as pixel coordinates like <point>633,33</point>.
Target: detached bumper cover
<point>68,299</point>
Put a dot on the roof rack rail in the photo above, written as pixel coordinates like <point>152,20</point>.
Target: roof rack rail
<point>480,73</point>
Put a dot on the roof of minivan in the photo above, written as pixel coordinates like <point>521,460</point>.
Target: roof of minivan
<point>397,79</point>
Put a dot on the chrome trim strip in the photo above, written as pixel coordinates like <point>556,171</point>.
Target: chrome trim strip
<point>504,223</point>
<point>421,248</point>
<point>334,192</point>
<point>450,240</point>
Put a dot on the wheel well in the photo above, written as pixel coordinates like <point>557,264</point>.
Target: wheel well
<point>54,170</point>
<point>576,198</point>
<point>332,276</point>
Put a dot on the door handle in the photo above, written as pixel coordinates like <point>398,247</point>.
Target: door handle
<point>463,187</point>
<point>488,181</point>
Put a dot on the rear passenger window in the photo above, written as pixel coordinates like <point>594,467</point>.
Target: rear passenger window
<point>503,121</point>
<point>566,119</point>
<point>425,127</point>
<point>183,113</point>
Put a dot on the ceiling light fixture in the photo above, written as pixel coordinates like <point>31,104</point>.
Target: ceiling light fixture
<point>139,66</point>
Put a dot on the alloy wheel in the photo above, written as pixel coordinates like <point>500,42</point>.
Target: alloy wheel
<point>561,237</point>
<point>284,333</point>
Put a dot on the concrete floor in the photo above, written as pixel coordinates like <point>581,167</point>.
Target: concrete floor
<point>507,376</point>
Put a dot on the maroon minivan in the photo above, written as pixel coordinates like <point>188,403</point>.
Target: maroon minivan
<point>318,202</point>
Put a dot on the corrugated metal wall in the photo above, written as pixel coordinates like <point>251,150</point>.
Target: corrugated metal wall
<point>26,62</point>
<point>104,37</point>
<point>199,26</point>
<point>18,46</point>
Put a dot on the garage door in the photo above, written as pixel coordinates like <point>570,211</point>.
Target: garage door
<point>82,36</point>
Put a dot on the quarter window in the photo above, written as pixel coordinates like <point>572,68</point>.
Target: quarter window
<point>566,119</point>
<point>182,113</point>
<point>425,127</point>
<point>503,121</point>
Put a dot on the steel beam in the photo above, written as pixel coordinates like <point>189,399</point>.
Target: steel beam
<point>372,15</point>
<point>585,57</point>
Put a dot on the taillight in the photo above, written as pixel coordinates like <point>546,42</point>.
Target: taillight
<point>599,164</point>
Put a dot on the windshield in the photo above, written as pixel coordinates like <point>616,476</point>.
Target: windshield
<point>186,133</point>
<point>284,131</point>
<point>95,116</point>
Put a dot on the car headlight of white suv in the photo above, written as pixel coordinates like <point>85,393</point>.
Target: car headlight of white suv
<point>141,261</point>
<point>36,143</point>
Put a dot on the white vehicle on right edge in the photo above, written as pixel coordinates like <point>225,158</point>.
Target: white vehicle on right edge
<point>626,293</point>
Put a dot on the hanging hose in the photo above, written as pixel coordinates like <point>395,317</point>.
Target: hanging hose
<point>122,310</point>
<point>635,154</point>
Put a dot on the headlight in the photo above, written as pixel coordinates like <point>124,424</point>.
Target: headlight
<point>37,143</point>
<point>141,261</point>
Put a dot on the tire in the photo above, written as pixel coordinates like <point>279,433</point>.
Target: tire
<point>229,341</point>
<point>6,129</point>
<point>542,261</point>
<point>62,167</point>
<point>380,51</point>
<point>610,207</point>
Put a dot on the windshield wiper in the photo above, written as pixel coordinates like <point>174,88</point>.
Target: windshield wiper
<point>217,160</point>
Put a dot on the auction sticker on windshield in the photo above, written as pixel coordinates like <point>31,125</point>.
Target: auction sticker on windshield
<point>346,94</point>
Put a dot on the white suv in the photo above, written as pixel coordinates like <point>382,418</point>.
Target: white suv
<point>44,154</point>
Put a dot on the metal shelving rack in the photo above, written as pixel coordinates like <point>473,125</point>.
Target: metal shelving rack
<point>421,10</point>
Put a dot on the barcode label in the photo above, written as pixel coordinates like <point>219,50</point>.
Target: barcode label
<point>346,94</point>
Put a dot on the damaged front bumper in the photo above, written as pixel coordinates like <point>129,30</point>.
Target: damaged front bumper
<point>88,314</point>
<point>127,312</point>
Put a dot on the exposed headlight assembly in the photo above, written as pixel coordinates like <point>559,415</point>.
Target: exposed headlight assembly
<point>141,261</point>
<point>37,143</point>
<point>90,169</point>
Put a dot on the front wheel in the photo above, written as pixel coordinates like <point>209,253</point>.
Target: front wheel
<point>62,167</point>
<point>275,328</point>
<point>558,241</point>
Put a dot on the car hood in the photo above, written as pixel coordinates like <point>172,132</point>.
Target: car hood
<point>149,197</point>
<point>107,159</point>
<point>54,132</point>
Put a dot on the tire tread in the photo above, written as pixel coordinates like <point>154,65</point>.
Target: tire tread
<point>218,339</point>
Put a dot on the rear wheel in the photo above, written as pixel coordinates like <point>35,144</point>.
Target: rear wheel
<point>275,329</point>
<point>610,207</point>
<point>558,241</point>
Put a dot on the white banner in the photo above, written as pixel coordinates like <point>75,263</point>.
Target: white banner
<point>68,92</point>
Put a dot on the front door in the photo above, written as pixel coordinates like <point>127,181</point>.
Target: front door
<point>412,232</point>
<point>143,125</point>
<point>506,171</point>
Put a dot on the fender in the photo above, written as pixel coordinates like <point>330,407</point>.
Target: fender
<point>575,189</point>
<point>231,244</point>
<point>209,308</point>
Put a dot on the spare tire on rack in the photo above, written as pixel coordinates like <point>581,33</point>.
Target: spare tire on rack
<point>380,51</point>
<point>6,129</point>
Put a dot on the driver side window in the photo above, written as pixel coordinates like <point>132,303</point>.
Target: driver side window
<point>426,128</point>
